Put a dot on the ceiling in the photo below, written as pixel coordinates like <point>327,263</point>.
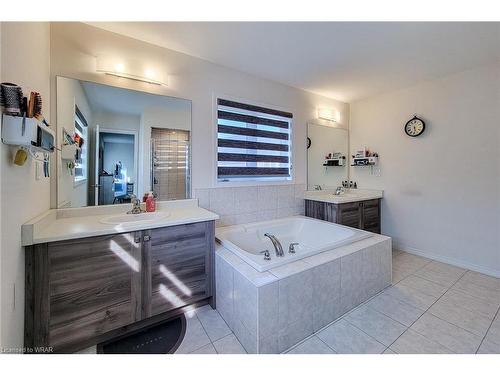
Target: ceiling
<point>344,60</point>
<point>127,102</point>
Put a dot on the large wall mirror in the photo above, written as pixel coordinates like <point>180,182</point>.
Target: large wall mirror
<point>327,156</point>
<point>115,143</point>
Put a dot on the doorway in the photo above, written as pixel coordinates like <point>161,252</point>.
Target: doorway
<point>115,166</point>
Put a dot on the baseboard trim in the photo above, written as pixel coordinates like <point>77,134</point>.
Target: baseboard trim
<point>398,245</point>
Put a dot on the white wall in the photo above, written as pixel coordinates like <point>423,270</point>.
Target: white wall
<point>325,140</point>
<point>442,189</point>
<point>116,121</point>
<point>25,61</point>
<point>124,152</point>
<point>75,45</point>
<point>71,93</point>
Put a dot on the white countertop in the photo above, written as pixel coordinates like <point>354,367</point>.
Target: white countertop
<point>351,195</point>
<point>72,223</point>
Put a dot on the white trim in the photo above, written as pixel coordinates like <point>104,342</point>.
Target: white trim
<point>235,183</point>
<point>399,245</point>
<point>135,133</point>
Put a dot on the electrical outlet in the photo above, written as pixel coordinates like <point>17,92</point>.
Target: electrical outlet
<point>376,171</point>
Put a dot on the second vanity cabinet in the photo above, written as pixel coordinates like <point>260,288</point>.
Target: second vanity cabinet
<point>361,215</point>
<point>84,291</point>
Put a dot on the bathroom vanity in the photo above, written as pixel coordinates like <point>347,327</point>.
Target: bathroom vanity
<point>358,209</point>
<point>108,280</point>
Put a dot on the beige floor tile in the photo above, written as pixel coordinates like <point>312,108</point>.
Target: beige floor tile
<point>452,337</point>
<point>471,303</point>
<point>489,347</point>
<point>229,345</point>
<point>411,296</point>
<point>457,315</point>
<point>441,273</point>
<point>479,291</point>
<point>345,338</point>
<point>312,345</point>
<point>379,326</point>
<point>207,349</point>
<point>396,309</point>
<point>412,342</point>
<point>195,337</point>
<point>424,286</point>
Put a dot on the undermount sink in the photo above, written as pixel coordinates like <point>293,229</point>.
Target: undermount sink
<point>145,217</point>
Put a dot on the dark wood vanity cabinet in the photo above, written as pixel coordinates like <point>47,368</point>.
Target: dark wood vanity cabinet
<point>179,267</point>
<point>84,291</point>
<point>361,215</point>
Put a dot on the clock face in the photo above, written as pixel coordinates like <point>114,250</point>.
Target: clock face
<point>414,127</point>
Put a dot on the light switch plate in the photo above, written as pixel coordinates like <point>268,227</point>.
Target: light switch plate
<point>37,171</point>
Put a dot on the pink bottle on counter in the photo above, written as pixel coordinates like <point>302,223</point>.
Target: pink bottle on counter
<point>150,203</point>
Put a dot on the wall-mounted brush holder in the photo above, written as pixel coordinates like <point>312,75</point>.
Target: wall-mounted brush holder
<point>28,133</point>
<point>68,152</point>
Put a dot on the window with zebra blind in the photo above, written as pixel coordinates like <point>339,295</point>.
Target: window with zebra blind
<point>253,142</point>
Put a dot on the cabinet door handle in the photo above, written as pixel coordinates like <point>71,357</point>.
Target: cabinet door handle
<point>146,238</point>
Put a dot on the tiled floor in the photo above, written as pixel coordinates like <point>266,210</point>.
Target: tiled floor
<point>431,308</point>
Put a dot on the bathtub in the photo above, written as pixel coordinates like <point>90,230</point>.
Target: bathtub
<point>313,236</point>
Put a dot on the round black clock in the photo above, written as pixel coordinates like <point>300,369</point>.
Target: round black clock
<point>415,127</point>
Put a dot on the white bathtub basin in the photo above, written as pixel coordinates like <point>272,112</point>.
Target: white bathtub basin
<point>314,236</point>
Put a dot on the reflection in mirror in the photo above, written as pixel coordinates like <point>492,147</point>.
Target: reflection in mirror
<point>115,143</point>
<point>327,156</point>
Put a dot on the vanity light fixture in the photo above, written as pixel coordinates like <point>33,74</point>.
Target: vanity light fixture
<point>328,114</point>
<point>133,70</point>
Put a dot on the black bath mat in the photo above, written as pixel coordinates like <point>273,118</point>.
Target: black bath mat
<point>163,338</point>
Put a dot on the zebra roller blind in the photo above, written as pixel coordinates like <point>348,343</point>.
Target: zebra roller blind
<point>254,143</point>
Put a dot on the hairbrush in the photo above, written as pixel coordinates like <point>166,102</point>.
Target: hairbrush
<point>35,107</point>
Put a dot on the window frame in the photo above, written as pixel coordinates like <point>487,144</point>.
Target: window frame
<point>248,181</point>
<point>84,134</point>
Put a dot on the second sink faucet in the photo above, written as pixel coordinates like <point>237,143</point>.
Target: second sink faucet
<point>276,243</point>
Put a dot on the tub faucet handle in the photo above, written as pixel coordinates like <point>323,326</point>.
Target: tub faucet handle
<point>291,248</point>
<point>267,256</point>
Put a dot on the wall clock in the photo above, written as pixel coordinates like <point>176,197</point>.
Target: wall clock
<point>415,127</point>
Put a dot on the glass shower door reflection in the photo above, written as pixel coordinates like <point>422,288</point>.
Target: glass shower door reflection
<point>170,163</point>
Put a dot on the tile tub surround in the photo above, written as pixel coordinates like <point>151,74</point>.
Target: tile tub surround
<point>271,311</point>
<point>247,204</point>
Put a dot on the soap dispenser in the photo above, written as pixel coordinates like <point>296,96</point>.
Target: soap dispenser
<point>150,203</point>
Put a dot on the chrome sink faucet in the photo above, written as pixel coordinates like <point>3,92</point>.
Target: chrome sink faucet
<point>339,190</point>
<point>136,206</point>
<point>317,187</point>
<point>276,243</point>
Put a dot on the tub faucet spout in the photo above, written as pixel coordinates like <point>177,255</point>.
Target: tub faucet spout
<point>276,243</point>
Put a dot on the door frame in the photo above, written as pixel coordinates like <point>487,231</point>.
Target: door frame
<point>135,133</point>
